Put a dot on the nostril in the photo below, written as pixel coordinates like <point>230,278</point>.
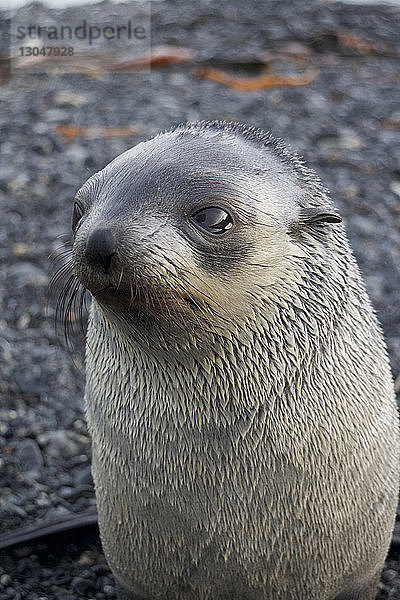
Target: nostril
<point>101,247</point>
<point>104,261</point>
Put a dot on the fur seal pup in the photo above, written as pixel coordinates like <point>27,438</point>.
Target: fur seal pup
<point>239,398</point>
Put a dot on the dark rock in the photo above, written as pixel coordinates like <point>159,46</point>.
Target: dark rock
<point>82,586</point>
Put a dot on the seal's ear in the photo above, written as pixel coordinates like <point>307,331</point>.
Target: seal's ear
<point>325,218</point>
<point>315,217</point>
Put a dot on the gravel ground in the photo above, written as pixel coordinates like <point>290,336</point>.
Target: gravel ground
<point>345,123</point>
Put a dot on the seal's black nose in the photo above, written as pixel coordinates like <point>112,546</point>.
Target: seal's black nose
<point>101,247</point>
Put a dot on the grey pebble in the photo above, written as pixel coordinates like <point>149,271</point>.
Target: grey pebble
<point>11,593</point>
<point>66,492</point>
<point>43,502</point>
<point>54,115</point>
<point>389,575</point>
<point>59,443</point>
<point>26,273</point>
<point>29,456</point>
<point>77,153</point>
<point>82,586</point>
<point>83,477</point>
<point>12,509</point>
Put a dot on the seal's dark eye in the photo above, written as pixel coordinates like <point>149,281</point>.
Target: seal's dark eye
<point>77,214</point>
<point>212,219</point>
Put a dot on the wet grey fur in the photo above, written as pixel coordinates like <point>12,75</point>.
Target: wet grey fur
<point>239,398</point>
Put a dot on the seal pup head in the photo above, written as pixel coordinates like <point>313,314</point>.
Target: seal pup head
<point>185,229</point>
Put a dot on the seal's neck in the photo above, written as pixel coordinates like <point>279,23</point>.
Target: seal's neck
<point>227,368</point>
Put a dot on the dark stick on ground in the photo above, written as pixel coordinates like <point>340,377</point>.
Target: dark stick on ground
<point>35,534</point>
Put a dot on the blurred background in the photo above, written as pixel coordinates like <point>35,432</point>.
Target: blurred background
<point>324,76</point>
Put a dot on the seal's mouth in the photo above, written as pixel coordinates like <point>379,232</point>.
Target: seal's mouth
<point>111,291</point>
<point>147,299</point>
<point>112,294</point>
